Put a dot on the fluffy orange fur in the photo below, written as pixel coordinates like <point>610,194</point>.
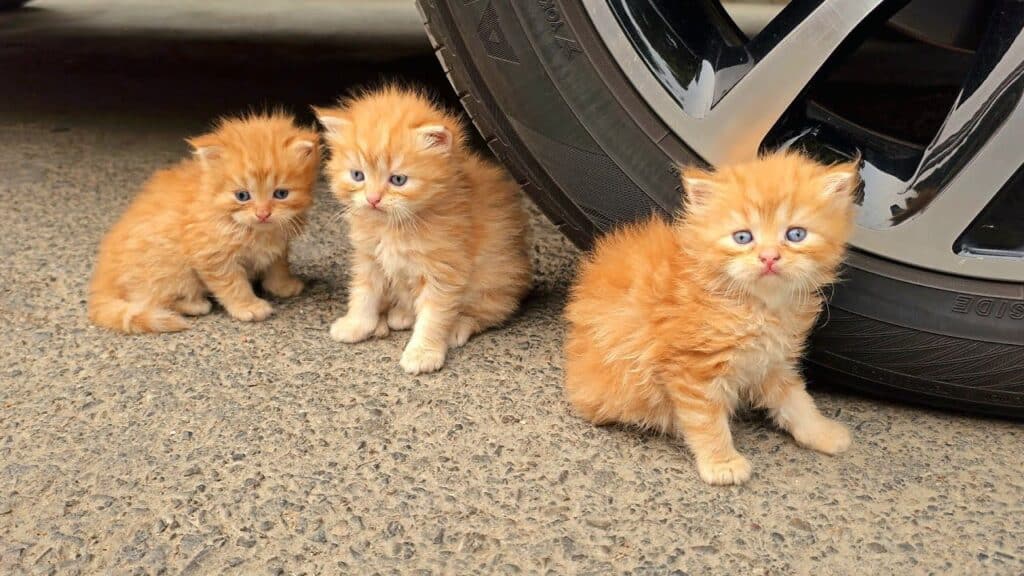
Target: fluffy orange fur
<point>439,235</point>
<point>673,325</point>
<point>191,231</point>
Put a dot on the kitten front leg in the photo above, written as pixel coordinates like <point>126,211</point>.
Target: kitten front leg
<point>793,409</point>
<point>232,288</point>
<point>279,281</point>
<point>704,423</point>
<point>435,315</point>
<point>366,294</point>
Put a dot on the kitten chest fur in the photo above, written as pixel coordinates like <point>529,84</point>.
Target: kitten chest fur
<point>259,255</point>
<point>399,258</point>
<point>255,251</point>
<point>774,340</point>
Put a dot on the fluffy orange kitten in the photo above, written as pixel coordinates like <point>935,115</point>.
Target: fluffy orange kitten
<point>439,235</point>
<point>673,325</point>
<point>211,224</point>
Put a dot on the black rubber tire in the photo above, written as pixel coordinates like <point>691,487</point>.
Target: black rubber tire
<point>552,105</point>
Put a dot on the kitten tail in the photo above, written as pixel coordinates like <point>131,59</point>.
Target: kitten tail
<point>133,317</point>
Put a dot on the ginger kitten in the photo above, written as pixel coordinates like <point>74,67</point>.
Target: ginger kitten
<point>210,224</point>
<point>439,235</point>
<point>673,325</point>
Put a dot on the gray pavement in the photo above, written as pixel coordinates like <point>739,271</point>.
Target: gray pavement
<point>269,449</point>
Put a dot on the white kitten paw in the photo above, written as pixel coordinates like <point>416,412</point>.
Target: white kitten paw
<point>352,329</point>
<point>400,318</point>
<point>733,470</point>
<point>253,311</point>
<point>464,328</point>
<point>824,435</point>
<point>422,359</point>
<point>284,287</point>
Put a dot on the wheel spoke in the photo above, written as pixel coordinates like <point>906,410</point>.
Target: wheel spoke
<point>927,238</point>
<point>992,119</point>
<point>740,121</point>
<point>975,153</point>
<point>952,211</point>
<point>780,26</point>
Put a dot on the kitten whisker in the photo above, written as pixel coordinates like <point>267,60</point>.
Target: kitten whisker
<point>826,308</point>
<point>404,219</point>
<point>337,216</point>
<point>294,227</point>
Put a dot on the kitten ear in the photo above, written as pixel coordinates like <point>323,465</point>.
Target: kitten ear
<point>303,147</point>
<point>434,137</point>
<point>698,184</point>
<point>841,179</point>
<point>332,119</point>
<point>206,148</point>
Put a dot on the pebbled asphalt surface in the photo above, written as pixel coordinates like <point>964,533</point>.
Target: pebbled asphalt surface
<point>269,449</point>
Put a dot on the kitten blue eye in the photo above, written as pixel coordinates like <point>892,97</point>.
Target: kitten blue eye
<point>280,194</point>
<point>242,196</point>
<point>398,179</point>
<point>743,237</point>
<point>358,175</point>
<point>796,234</point>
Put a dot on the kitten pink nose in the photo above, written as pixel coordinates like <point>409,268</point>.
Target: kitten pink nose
<point>769,257</point>
<point>263,215</point>
<point>373,199</point>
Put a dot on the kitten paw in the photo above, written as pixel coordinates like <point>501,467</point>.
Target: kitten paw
<point>825,436</point>
<point>400,319</point>
<point>464,328</point>
<point>198,307</point>
<point>254,311</point>
<point>420,359</point>
<point>284,287</point>
<point>352,329</point>
<point>734,470</point>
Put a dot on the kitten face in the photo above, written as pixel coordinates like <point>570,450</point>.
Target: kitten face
<point>398,178</point>
<point>392,153</point>
<point>777,226</point>
<point>259,171</point>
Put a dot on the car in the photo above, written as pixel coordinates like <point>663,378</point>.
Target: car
<point>593,104</point>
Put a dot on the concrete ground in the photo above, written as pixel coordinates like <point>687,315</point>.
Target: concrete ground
<point>270,449</point>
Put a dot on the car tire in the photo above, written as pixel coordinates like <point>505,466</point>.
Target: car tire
<point>555,108</point>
